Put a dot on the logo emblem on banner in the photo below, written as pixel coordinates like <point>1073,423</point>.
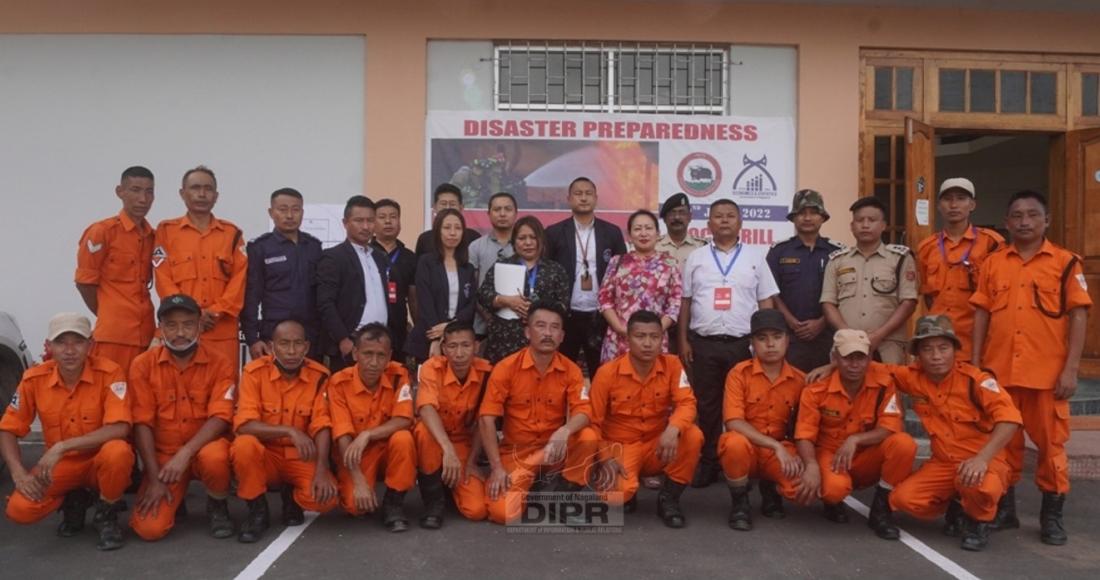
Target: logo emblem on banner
<point>699,174</point>
<point>755,181</point>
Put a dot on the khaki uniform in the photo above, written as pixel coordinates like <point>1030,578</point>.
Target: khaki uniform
<point>868,290</point>
<point>681,251</point>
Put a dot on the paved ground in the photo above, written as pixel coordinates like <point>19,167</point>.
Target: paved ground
<point>802,546</point>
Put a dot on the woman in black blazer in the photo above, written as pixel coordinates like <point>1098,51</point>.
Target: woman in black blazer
<point>446,285</point>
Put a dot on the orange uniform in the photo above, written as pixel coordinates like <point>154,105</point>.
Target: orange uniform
<point>114,256</point>
<point>355,409</point>
<point>98,399</point>
<point>210,267</point>
<point>1027,345</point>
<point>630,414</point>
<point>457,406</point>
<point>770,408</point>
<point>299,402</point>
<point>958,415</point>
<point>175,403</point>
<point>533,407</point>
<point>949,274</point>
<point>827,416</point>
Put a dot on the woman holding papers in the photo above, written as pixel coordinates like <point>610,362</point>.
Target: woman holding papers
<point>514,283</point>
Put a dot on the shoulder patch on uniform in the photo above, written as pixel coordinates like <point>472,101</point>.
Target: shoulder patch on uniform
<point>684,382</point>
<point>119,389</point>
<point>990,384</point>
<point>94,247</point>
<point>898,249</point>
<point>158,256</point>
<point>229,392</point>
<point>836,244</point>
<point>405,394</point>
<point>15,401</point>
<point>892,406</point>
<point>1082,282</point>
<point>838,253</point>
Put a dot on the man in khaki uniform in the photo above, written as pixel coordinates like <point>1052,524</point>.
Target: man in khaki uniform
<point>676,213</point>
<point>872,286</point>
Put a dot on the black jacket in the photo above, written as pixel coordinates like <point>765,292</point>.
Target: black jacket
<point>561,242</point>
<point>432,294</point>
<point>341,295</point>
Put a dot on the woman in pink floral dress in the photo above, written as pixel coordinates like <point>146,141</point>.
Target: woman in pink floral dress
<point>642,279</point>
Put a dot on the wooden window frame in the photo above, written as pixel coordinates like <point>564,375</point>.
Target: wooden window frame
<point>1076,72</point>
<point>867,73</point>
<point>995,120</point>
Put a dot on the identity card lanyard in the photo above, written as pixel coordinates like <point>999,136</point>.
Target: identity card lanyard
<point>729,267</point>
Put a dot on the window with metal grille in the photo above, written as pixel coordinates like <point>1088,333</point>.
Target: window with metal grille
<point>614,78</point>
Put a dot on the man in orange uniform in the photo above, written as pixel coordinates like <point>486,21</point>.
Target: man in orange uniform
<point>951,260</point>
<point>204,257</point>
<point>544,403</point>
<point>372,410</point>
<point>183,406</point>
<point>1029,329</point>
<point>850,434</point>
<point>81,402</point>
<point>448,441</point>
<point>283,433</point>
<point>759,411</point>
<point>969,419</point>
<point>113,271</point>
<point>644,411</point>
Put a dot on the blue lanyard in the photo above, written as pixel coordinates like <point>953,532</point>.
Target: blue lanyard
<point>532,277</point>
<point>729,267</point>
<point>393,261</point>
<point>966,256</point>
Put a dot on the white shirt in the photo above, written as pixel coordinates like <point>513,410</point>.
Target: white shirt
<point>452,294</point>
<point>375,310</point>
<point>750,279</point>
<point>585,300</point>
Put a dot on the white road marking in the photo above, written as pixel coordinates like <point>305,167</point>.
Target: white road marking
<point>258,567</point>
<point>943,562</point>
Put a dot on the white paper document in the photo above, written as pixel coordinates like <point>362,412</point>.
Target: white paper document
<point>508,280</point>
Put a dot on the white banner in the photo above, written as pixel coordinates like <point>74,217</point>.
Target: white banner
<point>636,161</point>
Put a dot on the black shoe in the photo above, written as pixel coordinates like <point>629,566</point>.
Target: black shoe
<point>631,505</point>
<point>976,536</point>
<point>571,520</point>
<point>256,522</point>
<point>740,511</point>
<point>668,504</point>
<point>106,521</point>
<point>393,511</point>
<point>434,496</point>
<point>835,512</point>
<point>1051,530</point>
<point>771,503</point>
<point>1006,512</point>
<point>217,510</point>
<point>881,518</point>
<point>704,475</point>
<point>292,512</point>
<point>953,521</point>
<point>73,512</point>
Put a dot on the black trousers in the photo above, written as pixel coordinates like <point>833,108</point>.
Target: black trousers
<point>580,338</point>
<point>712,359</point>
<point>808,355</point>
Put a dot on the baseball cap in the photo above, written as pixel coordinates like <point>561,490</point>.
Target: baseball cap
<point>807,198</point>
<point>69,322</point>
<point>678,200</point>
<point>957,183</point>
<point>767,319</point>
<point>931,327</point>
<point>178,302</point>
<point>850,340</point>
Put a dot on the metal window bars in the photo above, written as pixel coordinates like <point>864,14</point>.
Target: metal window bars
<point>620,77</point>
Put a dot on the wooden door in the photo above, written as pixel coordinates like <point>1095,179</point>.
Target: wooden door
<point>1080,218</point>
<point>920,181</point>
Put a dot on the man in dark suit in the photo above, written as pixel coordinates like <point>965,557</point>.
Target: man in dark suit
<point>351,284</point>
<point>583,244</point>
<point>445,196</point>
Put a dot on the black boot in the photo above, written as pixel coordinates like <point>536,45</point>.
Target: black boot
<point>771,503</point>
<point>571,520</point>
<point>393,511</point>
<point>668,504</point>
<point>1051,530</point>
<point>256,522</point>
<point>881,518</point>
<point>434,496</point>
<point>292,512</point>
<point>976,536</point>
<point>704,475</point>
<point>1006,512</point>
<point>740,511</point>
<point>835,512</point>
<point>106,521</point>
<point>73,512</point>
<point>953,521</point>
<point>217,510</point>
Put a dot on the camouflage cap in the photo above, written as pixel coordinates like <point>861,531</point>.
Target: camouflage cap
<point>931,327</point>
<point>807,198</point>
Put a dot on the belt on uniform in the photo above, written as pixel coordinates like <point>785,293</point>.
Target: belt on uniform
<point>718,337</point>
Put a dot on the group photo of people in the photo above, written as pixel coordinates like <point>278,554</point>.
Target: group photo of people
<point>573,357</point>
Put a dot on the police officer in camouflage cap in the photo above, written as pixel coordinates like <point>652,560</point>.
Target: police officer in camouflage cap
<point>798,265</point>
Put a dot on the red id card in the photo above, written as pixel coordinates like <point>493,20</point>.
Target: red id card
<point>391,291</point>
<point>723,298</point>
